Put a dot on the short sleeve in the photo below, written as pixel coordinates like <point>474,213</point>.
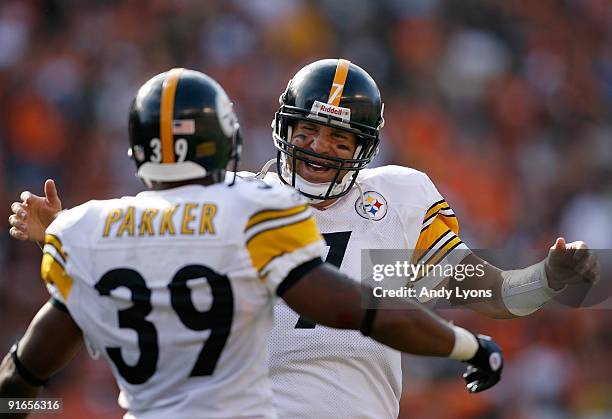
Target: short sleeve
<point>280,240</point>
<point>53,268</point>
<point>438,242</point>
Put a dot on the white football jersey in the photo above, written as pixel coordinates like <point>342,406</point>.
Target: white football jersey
<point>320,372</point>
<point>176,288</point>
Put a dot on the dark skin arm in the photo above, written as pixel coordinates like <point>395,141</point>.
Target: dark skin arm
<point>328,297</point>
<point>51,341</point>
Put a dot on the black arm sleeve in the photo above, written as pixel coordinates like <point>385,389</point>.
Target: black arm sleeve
<point>296,274</point>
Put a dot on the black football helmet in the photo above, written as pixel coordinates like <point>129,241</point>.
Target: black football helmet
<point>182,126</point>
<point>336,93</point>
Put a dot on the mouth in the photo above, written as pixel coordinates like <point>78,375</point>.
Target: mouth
<point>316,168</point>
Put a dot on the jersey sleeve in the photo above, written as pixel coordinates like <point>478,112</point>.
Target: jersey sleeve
<point>54,266</point>
<point>280,240</point>
<point>438,242</point>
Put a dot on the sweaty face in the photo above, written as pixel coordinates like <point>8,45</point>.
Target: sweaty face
<point>323,140</point>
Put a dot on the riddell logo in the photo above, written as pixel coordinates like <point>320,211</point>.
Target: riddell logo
<point>331,109</point>
<point>320,109</point>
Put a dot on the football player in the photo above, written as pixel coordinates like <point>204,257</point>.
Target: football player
<point>175,286</point>
<point>326,132</point>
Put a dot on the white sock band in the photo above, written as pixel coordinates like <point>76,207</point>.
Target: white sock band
<point>465,346</point>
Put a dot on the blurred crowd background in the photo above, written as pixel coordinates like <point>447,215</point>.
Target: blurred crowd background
<point>506,104</point>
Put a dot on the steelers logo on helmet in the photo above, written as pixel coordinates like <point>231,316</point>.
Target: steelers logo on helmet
<point>182,126</point>
<point>334,93</point>
<point>227,117</point>
<point>373,206</point>
<point>139,153</point>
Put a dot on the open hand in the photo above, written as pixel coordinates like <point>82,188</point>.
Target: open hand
<point>34,213</point>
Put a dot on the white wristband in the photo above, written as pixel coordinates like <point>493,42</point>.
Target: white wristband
<point>526,290</point>
<point>465,346</point>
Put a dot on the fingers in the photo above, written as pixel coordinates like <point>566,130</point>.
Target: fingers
<point>51,192</point>
<point>18,210</point>
<point>25,195</point>
<point>569,254</point>
<point>559,244</point>
<point>583,261</point>
<point>589,268</point>
<point>17,222</point>
<point>478,380</point>
<point>16,234</point>
<point>28,198</point>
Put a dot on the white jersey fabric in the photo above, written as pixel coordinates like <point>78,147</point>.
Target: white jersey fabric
<point>175,289</point>
<point>319,372</point>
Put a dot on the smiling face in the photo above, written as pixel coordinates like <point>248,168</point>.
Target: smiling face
<point>323,140</point>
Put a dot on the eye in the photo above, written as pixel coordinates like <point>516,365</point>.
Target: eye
<point>343,147</point>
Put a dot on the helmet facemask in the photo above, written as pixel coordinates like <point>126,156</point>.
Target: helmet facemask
<point>336,94</point>
<point>346,170</point>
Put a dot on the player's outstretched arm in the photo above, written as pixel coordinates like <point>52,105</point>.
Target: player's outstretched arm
<point>330,298</point>
<point>50,342</point>
<point>521,292</point>
<point>34,213</point>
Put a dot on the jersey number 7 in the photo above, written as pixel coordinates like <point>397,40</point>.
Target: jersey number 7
<point>337,243</point>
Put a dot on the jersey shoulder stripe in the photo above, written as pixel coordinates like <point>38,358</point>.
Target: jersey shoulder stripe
<point>52,269</point>
<point>273,214</point>
<point>273,240</point>
<point>438,236</point>
<point>438,208</point>
<point>54,241</point>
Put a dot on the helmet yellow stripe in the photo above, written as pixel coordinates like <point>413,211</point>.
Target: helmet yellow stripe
<point>166,116</point>
<point>335,93</point>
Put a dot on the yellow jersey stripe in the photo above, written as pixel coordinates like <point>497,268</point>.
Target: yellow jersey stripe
<point>440,205</point>
<point>267,215</point>
<point>442,251</point>
<point>335,93</point>
<point>428,242</point>
<point>52,272</point>
<point>57,244</point>
<point>436,229</point>
<point>438,256</point>
<point>272,243</point>
<point>166,115</point>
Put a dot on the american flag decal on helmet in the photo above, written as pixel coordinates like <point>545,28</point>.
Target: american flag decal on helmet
<point>183,126</point>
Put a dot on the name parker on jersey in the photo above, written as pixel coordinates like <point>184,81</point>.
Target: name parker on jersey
<point>408,292</point>
<point>195,218</point>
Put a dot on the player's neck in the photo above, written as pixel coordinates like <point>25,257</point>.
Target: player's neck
<point>157,186</point>
<point>324,204</point>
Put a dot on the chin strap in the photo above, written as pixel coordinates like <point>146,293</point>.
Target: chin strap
<point>363,202</point>
<point>265,169</point>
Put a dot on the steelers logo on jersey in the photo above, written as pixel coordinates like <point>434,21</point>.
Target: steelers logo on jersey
<point>373,206</point>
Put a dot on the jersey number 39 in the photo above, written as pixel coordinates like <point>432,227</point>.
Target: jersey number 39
<point>218,319</point>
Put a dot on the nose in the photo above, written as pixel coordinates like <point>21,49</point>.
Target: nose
<point>320,143</point>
